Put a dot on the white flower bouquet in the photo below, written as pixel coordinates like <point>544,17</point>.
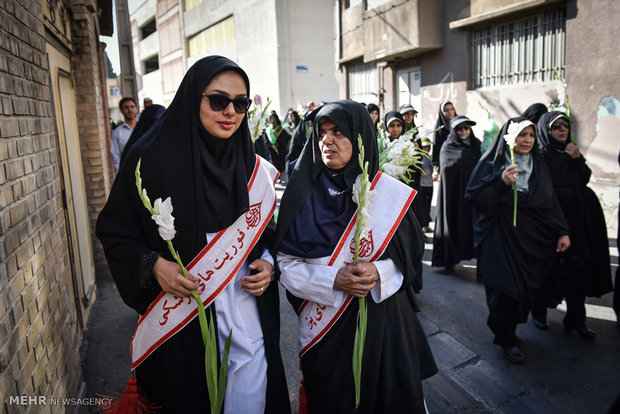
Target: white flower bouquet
<point>257,120</point>
<point>400,158</point>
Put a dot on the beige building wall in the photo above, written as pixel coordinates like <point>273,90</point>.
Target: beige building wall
<point>286,47</point>
<point>592,70</point>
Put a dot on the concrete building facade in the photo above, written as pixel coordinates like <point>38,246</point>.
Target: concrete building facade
<point>496,53</point>
<point>54,178</point>
<point>285,46</point>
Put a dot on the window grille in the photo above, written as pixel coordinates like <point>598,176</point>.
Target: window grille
<point>522,51</point>
<point>363,82</point>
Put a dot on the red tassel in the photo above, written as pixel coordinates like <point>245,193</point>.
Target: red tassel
<point>303,399</point>
<point>131,401</point>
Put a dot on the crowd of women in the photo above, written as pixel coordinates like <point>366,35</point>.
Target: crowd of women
<point>200,154</point>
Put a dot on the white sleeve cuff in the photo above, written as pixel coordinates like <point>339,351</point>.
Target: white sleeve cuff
<point>390,280</point>
<point>267,256</point>
<point>310,281</point>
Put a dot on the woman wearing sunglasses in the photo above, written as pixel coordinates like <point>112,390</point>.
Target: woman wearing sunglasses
<point>512,259</point>
<point>453,239</point>
<point>584,270</point>
<point>201,155</point>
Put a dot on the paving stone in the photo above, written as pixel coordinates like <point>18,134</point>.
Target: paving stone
<point>448,352</point>
<point>487,383</point>
<point>443,395</point>
<point>429,327</point>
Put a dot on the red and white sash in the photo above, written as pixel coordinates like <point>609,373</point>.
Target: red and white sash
<point>215,266</point>
<point>386,211</point>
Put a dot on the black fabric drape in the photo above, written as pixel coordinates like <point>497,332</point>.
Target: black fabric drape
<point>534,112</point>
<point>453,238</point>
<point>588,230</point>
<point>207,179</point>
<point>397,355</point>
<point>513,260</point>
<point>148,117</point>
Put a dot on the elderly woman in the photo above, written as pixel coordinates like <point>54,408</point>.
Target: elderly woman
<point>200,154</point>
<point>314,239</point>
<point>585,269</point>
<point>512,260</point>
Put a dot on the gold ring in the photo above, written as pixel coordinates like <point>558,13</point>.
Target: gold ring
<point>262,289</point>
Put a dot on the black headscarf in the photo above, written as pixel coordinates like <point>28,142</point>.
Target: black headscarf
<point>442,134</point>
<point>547,145</point>
<point>534,112</point>
<point>371,108</point>
<point>317,193</point>
<point>296,118</point>
<point>390,116</point>
<point>205,176</point>
<point>148,117</point>
<point>312,181</point>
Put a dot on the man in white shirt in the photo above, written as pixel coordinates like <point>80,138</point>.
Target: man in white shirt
<point>121,133</point>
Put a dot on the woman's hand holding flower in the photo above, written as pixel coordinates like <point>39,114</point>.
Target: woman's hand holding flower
<point>510,175</point>
<point>572,150</point>
<point>171,280</point>
<point>563,243</point>
<point>258,283</point>
<point>357,280</point>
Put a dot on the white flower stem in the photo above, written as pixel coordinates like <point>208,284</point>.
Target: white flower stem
<point>514,187</point>
<point>362,313</point>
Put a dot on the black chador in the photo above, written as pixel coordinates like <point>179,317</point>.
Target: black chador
<point>453,238</point>
<point>207,180</point>
<point>315,210</point>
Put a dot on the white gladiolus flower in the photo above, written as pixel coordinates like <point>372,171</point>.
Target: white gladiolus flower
<point>394,170</point>
<point>164,218</point>
<point>514,129</point>
<point>561,90</point>
<point>511,134</point>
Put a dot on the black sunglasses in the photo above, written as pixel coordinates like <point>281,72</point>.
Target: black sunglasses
<point>219,102</point>
<point>462,127</point>
<point>558,124</point>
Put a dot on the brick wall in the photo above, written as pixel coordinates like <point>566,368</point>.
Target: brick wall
<point>87,64</point>
<point>39,332</point>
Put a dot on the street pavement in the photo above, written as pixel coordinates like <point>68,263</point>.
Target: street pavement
<point>563,373</point>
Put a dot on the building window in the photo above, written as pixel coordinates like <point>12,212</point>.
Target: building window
<point>192,3</point>
<point>151,65</point>
<point>522,51</point>
<point>371,4</point>
<point>148,29</point>
<point>212,37</point>
<point>115,91</point>
<point>363,82</point>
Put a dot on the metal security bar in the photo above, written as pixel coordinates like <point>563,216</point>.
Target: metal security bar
<point>522,51</point>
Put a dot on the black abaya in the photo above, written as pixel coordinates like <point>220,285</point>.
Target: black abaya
<point>512,261</point>
<point>453,238</point>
